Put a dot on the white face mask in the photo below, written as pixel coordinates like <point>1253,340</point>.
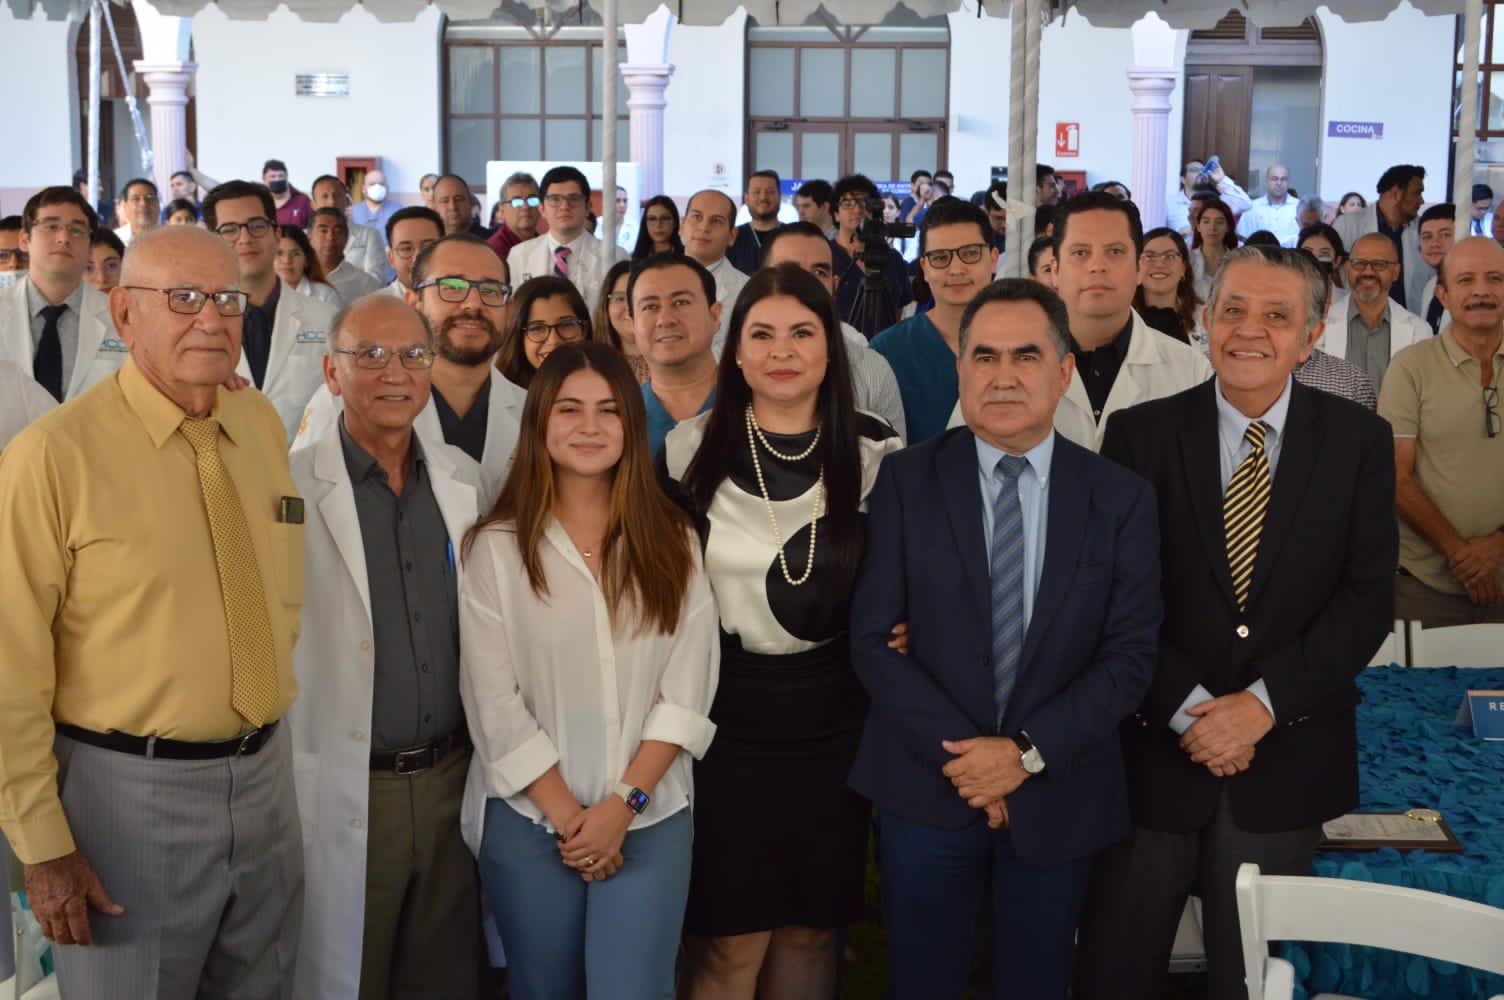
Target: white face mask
<point>376,193</point>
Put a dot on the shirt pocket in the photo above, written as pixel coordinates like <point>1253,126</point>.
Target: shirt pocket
<point>287,562</point>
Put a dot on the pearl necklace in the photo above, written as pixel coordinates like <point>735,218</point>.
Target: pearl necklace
<point>755,433</point>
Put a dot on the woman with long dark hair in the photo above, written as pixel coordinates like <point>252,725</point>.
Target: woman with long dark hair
<point>588,665</point>
<point>775,476</point>
<point>1214,235</point>
<point>547,312</point>
<point>1327,247</point>
<point>299,268</point>
<point>1166,296</point>
<point>612,314</point>
<point>659,230</point>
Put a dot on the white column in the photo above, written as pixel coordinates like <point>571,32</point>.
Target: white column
<point>1467,115</point>
<point>168,98</point>
<point>645,100</point>
<point>1151,88</point>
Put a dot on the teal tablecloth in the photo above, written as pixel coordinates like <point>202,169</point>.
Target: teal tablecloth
<point>1411,755</point>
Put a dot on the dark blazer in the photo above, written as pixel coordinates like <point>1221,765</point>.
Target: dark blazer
<point>1320,603</point>
<point>1087,659</point>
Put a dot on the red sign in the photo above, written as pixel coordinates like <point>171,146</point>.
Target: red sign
<point>1067,138</point>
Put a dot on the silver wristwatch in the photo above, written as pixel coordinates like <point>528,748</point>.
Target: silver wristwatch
<point>1029,755</point>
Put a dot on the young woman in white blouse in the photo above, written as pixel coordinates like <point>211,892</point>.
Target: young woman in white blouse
<point>589,659</point>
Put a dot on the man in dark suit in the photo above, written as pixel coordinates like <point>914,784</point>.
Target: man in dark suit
<point>1279,546</point>
<point>1028,571</point>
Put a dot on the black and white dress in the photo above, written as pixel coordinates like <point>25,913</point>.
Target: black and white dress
<point>780,840</point>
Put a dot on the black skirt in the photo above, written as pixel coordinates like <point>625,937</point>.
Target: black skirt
<point>780,839</point>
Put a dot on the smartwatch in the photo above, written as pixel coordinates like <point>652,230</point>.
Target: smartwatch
<point>1029,755</point>
<point>636,799</point>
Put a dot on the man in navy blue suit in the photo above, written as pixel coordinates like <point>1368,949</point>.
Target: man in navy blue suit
<point>1028,571</point>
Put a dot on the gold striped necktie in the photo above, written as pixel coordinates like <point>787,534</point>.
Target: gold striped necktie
<point>1243,508</point>
<point>253,657</point>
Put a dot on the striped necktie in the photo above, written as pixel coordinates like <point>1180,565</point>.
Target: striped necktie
<point>561,262</point>
<point>1243,508</point>
<point>253,657</point>
<point>1006,568</point>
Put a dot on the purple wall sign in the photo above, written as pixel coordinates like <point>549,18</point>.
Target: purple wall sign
<point>1355,130</point>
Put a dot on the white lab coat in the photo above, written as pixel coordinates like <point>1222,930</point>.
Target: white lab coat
<point>101,352</point>
<point>1425,306</point>
<point>330,723</point>
<point>366,249</point>
<point>295,367</point>
<point>22,400</point>
<point>1405,328</point>
<point>319,290</point>
<point>588,263</point>
<point>1156,366</point>
<point>503,420</point>
<point>351,282</point>
<point>1359,223</point>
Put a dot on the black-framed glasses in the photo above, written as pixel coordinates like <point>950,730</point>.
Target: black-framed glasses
<point>531,201</point>
<point>1491,420</point>
<point>374,357</point>
<point>969,254</point>
<point>230,231</point>
<point>565,199</point>
<point>567,329</point>
<point>1360,265</point>
<point>453,288</point>
<point>18,255</point>
<point>75,230</point>
<point>1150,257</point>
<point>190,301</point>
<point>852,203</point>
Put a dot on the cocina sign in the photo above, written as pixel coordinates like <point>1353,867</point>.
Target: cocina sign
<point>1355,130</point>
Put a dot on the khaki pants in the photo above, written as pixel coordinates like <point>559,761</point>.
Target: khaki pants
<point>1416,602</point>
<point>422,929</point>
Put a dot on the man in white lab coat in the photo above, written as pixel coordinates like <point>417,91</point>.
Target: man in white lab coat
<point>22,400</point>
<point>380,745</point>
<point>53,324</point>
<point>282,346</point>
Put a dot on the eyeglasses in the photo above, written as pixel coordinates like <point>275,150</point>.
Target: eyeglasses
<point>18,255</point>
<point>75,230</point>
<point>1151,257</point>
<point>557,200</point>
<point>1491,411</point>
<point>258,228</point>
<point>1360,265</point>
<point>374,357</point>
<point>532,201</point>
<point>190,301</point>
<point>852,203</point>
<point>969,254</point>
<point>567,329</point>
<point>616,299</point>
<point>407,250</point>
<point>453,288</point>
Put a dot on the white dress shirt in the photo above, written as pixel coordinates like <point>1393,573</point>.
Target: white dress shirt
<point>729,283</point>
<point>1277,219</point>
<point>1178,205</point>
<point>547,681</point>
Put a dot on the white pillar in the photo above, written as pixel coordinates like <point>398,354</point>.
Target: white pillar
<point>1151,134</point>
<point>1467,116</point>
<point>168,96</point>
<point>645,100</point>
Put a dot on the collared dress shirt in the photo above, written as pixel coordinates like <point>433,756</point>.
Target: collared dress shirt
<point>467,433</point>
<point>1278,219</point>
<point>1099,368</point>
<point>1368,346</point>
<point>1033,502</point>
<point>114,618</point>
<point>67,325</point>
<point>256,334</point>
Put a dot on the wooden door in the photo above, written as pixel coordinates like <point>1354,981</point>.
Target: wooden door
<point>1218,108</point>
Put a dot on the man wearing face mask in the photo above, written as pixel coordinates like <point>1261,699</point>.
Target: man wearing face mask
<point>293,206</point>
<point>461,288</point>
<point>374,208</point>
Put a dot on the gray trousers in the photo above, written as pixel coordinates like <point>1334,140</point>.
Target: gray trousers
<point>1414,601</point>
<point>207,859</point>
<point>7,932</point>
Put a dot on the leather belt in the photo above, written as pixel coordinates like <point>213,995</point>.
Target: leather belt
<point>423,758</point>
<point>154,747</point>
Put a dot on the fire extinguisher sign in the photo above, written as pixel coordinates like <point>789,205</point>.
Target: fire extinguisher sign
<point>1067,138</point>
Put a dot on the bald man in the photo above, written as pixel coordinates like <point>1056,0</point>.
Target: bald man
<point>708,230</point>
<point>1276,211</point>
<point>1373,328</point>
<point>154,553</point>
<point>379,719</point>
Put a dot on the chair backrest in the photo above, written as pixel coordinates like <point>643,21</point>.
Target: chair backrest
<point>1457,646</point>
<point>1291,908</point>
<point>1393,648</point>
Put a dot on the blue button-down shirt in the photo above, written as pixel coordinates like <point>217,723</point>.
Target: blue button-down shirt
<point>1033,501</point>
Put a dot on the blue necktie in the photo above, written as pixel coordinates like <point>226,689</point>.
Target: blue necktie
<point>1007,572</point>
<point>47,366</point>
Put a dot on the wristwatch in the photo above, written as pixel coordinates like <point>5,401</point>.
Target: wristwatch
<point>1029,755</point>
<point>635,798</point>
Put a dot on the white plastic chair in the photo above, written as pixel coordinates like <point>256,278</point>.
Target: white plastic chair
<point>1457,646</point>
<point>1393,648</point>
<point>1296,908</point>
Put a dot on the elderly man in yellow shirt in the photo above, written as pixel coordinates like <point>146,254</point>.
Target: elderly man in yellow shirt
<point>152,543</point>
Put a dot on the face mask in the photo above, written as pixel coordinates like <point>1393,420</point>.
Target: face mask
<point>278,187</point>
<point>376,193</point>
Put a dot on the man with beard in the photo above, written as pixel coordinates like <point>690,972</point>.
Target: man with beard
<point>761,199</point>
<point>1402,191</point>
<point>461,288</point>
<point>1375,328</point>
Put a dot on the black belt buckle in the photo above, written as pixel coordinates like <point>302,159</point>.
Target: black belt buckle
<point>249,743</point>
<point>412,761</point>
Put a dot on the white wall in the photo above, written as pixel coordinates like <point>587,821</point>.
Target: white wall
<point>247,111</point>
<point>1397,71</point>
<point>39,116</point>
<point>704,125</point>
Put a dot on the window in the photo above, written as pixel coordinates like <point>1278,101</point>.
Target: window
<point>1490,77</point>
<point>520,88</point>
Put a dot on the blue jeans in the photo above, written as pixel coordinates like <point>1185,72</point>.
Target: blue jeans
<point>566,938</point>
<point>933,886</point>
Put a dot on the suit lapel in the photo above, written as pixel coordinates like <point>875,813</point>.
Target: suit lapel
<point>17,326</point>
<point>1300,444</point>
<point>1068,502</point>
<point>286,325</point>
<point>1200,454</point>
<point>963,504</point>
<point>337,508</point>
<point>93,323</point>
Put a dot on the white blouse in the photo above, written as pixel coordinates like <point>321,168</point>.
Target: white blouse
<point>545,681</point>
